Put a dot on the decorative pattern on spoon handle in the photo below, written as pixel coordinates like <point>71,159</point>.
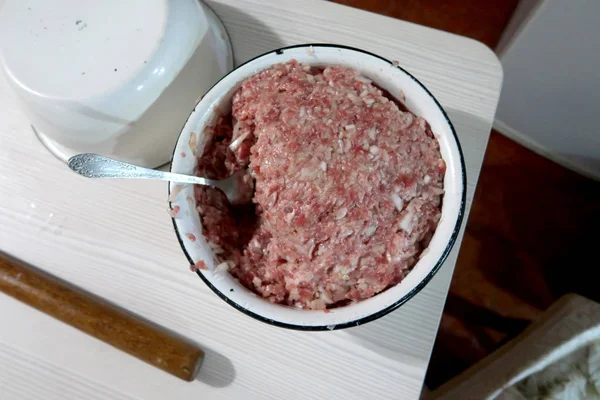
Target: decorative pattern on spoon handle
<point>96,166</point>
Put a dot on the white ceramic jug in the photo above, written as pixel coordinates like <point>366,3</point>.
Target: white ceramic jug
<point>113,77</point>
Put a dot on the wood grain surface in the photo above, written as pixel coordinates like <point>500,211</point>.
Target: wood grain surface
<point>482,20</point>
<point>115,239</point>
<point>100,319</point>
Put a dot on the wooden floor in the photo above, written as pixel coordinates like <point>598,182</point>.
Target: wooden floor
<point>483,20</point>
<point>531,237</point>
<point>533,229</point>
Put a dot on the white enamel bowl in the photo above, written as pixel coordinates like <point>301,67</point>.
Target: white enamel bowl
<point>388,76</point>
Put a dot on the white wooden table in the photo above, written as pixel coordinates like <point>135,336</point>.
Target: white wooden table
<point>115,238</point>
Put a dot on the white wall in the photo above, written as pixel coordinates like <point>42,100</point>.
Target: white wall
<point>551,95</point>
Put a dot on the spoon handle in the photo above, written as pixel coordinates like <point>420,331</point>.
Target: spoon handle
<point>97,166</point>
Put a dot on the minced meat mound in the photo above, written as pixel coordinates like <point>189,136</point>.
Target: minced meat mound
<point>348,187</point>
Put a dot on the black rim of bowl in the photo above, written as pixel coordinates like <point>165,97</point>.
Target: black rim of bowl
<point>403,299</point>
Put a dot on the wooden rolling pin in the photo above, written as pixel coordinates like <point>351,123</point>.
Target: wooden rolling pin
<point>99,318</point>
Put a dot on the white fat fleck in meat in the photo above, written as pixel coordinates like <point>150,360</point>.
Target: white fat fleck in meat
<point>436,191</point>
<point>222,267</point>
<point>220,271</point>
<point>385,156</point>
<point>374,150</point>
<point>311,245</point>
<point>370,230</point>
<point>308,172</point>
<point>354,98</point>
<point>318,304</point>
<point>289,217</point>
<point>341,213</point>
<point>372,132</point>
<point>237,142</point>
<point>323,165</point>
<point>347,233</point>
<point>323,295</point>
<point>426,179</point>
<point>347,145</point>
<point>302,112</point>
<point>216,248</point>
<point>362,79</point>
<point>397,200</point>
<point>406,222</point>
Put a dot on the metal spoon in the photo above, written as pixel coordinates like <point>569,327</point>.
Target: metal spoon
<point>237,189</point>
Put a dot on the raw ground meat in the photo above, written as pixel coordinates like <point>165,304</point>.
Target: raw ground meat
<point>348,187</point>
